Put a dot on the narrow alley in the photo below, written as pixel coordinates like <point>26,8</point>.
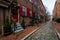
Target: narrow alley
<point>29,19</point>
<point>48,32</point>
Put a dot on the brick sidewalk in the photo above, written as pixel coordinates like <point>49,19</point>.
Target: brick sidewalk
<point>20,35</point>
<point>57,26</point>
<point>27,31</point>
<point>10,37</point>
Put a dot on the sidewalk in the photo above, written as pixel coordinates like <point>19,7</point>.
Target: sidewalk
<point>20,35</point>
<point>57,26</point>
<point>48,32</point>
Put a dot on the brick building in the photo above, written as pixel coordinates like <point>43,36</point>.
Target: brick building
<point>4,13</point>
<point>26,10</point>
<point>56,11</point>
<point>37,7</point>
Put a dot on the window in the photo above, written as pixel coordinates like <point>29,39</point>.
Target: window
<point>38,7</point>
<point>30,1</point>
<point>14,10</point>
<point>36,15</point>
<point>35,3</point>
<point>30,13</point>
<point>24,11</point>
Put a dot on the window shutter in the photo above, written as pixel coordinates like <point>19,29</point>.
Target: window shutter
<point>28,12</point>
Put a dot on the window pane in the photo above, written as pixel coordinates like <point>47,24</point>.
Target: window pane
<point>30,0</point>
<point>30,13</point>
<point>24,10</point>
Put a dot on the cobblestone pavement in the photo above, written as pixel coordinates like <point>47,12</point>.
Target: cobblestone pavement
<point>48,32</point>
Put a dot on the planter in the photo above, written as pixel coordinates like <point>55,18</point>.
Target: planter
<point>58,20</point>
<point>7,28</point>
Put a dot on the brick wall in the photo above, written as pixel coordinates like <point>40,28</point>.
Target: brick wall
<point>28,4</point>
<point>56,12</point>
<point>1,19</point>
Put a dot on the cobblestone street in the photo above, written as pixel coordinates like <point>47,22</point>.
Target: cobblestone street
<point>29,19</point>
<point>48,32</point>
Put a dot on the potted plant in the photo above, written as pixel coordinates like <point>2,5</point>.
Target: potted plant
<point>58,20</point>
<point>23,23</point>
<point>7,28</point>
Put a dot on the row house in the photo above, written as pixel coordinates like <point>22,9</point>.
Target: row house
<point>19,14</point>
<point>56,11</point>
<point>4,13</point>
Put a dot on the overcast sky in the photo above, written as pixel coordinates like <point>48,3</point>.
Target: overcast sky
<point>49,4</point>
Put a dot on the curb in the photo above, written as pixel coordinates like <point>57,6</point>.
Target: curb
<point>58,35</point>
<point>30,33</point>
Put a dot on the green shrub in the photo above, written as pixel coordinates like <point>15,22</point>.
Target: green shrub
<point>32,22</point>
<point>58,20</point>
<point>6,27</point>
<point>23,23</point>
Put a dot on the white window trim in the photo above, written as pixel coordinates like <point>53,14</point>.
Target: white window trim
<point>30,1</point>
<point>30,13</point>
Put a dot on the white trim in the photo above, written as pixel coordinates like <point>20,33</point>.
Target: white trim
<point>30,13</point>
<point>2,31</point>
<point>3,5</point>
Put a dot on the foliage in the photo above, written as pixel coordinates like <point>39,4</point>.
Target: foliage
<point>23,23</point>
<point>6,27</point>
<point>32,22</point>
<point>58,20</point>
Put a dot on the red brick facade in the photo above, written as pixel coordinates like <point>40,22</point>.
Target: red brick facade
<point>56,12</point>
<point>27,4</point>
